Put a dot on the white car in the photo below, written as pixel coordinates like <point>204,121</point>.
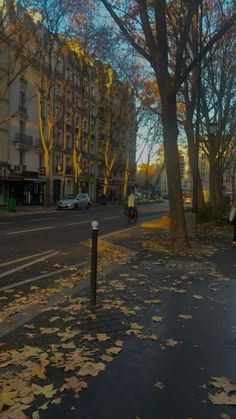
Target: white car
<point>80,200</point>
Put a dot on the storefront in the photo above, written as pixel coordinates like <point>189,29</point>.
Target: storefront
<point>33,192</point>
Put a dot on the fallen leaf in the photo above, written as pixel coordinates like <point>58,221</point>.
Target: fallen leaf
<point>222,398</point>
<point>198,297</point>
<point>171,342</point>
<point>159,385</point>
<point>47,391</point>
<point>73,383</point>
<point>102,337</point>
<point>157,318</point>
<point>56,401</point>
<point>113,350</point>
<point>106,358</point>
<point>136,326</point>
<point>224,383</point>
<point>90,368</point>
<point>119,342</point>
<point>185,316</point>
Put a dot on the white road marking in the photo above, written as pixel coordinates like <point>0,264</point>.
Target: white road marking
<point>43,219</point>
<point>36,278</point>
<point>81,222</point>
<point>11,271</point>
<point>25,258</point>
<point>89,221</point>
<point>29,231</point>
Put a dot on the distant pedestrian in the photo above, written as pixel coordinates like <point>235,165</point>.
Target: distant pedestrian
<point>131,201</point>
<point>232,221</point>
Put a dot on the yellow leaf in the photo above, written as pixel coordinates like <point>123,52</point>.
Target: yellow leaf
<point>90,368</point>
<point>136,326</point>
<point>106,358</point>
<point>222,398</point>
<point>7,398</point>
<point>159,385</point>
<point>47,391</point>
<point>185,316</point>
<point>224,383</point>
<point>102,337</point>
<point>119,342</point>
<point>48,330</point>
<point>157,318</point>
<point>113,350</point>
<point>70,345</point>
<point>171,342</point>
<point>152,301</point>
<point>56,401</point>
<point>73,383</point>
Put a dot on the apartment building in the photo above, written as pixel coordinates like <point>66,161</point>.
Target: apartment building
<point>186,175</point>
<point>74,147</point>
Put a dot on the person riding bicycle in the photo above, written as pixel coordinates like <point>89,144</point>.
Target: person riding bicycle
<point>131,206</point>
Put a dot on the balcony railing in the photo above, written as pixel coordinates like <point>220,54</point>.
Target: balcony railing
<point>23,139</point>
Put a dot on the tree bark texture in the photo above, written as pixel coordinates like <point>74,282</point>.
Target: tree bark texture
<point>178,233</point>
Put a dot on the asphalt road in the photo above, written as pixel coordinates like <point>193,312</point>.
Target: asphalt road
<point>38,248</point>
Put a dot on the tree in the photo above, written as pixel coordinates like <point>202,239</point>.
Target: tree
<point>159,31</point>
<point>219,106</point>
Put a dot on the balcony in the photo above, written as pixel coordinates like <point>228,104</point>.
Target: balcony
<point>23,141</point>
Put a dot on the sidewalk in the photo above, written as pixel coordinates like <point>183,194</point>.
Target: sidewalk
<point>164,326</point>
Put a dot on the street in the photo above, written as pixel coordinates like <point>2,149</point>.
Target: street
<point>39,247</point>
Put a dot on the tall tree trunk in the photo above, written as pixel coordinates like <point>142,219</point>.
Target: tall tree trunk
<point>191,153</point>
<point>126,176</point>
<point>178,235</point>
<point>212,180</point>
<point>105,183</point>
<point>47,195</point>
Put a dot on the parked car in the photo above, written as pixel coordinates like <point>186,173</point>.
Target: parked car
<point>80,200</point>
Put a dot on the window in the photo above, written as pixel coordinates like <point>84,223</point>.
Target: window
<point>22,158</point>
<point>22,100</point>
<point>22,127</point>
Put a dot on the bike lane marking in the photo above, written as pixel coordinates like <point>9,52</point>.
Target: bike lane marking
<point>10,262</point>
<point>11,271</point>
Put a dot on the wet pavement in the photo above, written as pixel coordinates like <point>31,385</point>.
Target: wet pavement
<point>164,326</point>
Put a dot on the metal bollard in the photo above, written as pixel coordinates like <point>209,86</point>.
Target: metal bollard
<point>93,282</point>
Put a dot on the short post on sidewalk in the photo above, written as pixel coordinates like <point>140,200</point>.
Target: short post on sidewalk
<point>93,282</point>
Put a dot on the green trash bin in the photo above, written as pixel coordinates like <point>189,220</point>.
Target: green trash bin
<point>11,204</point>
